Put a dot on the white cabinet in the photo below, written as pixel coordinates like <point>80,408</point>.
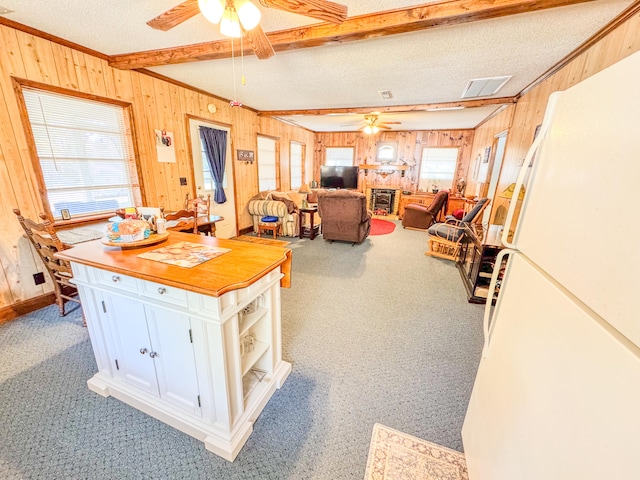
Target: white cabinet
<point>203,364</point>
<point>153,350</point>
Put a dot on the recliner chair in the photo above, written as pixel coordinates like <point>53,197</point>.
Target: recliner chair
<point>345,215</point>
<point>420,217</point>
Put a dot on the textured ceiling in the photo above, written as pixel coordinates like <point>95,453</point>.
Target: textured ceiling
<point>430,66</point>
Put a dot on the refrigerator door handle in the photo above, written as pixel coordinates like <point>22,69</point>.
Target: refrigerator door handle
<point>551,106</point>
<point>487,324</point>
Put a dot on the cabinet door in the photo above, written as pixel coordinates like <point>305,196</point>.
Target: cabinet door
<point>130,338</point>
<point>174,358</point>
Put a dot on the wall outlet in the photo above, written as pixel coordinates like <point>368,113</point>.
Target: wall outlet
<point>183,181</point>
<point>38,278</point>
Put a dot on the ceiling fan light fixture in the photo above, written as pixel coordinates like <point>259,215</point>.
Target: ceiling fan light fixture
<point>248,14</point>
<point>368,129</point>
<point>212,10</point>
<point>229,24</point>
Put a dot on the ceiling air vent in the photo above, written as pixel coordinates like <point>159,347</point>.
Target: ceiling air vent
<point>385,94</point>
<point>484,87</point>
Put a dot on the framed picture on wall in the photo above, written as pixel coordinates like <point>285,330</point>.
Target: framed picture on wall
<point>245,155</point>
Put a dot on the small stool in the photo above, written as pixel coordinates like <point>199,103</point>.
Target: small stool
<point>269,226</point>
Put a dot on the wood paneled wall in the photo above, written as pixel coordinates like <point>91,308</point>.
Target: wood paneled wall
<point>530,108</point>
<point>410,145</point>
<point>160,104</point>
<point>155,103</point>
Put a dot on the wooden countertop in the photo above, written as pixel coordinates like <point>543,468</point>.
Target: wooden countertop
<point>239,268</point>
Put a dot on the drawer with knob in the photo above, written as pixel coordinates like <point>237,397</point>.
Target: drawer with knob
<point>117,280</point>
<point>164,293</point>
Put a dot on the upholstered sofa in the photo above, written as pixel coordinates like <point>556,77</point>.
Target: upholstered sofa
<point>283,205</point>
<point>345,215</point>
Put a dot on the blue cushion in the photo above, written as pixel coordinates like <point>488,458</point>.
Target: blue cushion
<point>269,219</point>
<point>445,231</point>
<point>474,211</point>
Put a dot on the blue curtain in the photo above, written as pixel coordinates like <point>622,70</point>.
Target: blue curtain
<point>215,146</point>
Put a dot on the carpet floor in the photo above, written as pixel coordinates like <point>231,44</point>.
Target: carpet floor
<point>376,333</point>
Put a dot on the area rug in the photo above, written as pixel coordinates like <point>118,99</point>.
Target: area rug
<point>395,455</point>
<point>261,240</point>
<point>381,227</point>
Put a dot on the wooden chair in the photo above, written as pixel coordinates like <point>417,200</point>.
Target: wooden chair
<point>45,240</point>
<point>187,221</point>
<point>200,204</point>
<point>445,239</point>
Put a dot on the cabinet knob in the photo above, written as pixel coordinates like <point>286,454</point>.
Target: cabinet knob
<point>153,354</point>
<point>162,290</point>
<point>143,351</point>
<point>115,278</point>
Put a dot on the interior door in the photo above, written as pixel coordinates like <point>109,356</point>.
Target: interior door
<point>226,228</point>
<point>498,147</point>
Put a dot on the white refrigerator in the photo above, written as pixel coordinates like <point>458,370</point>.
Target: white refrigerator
<point>557,394</point>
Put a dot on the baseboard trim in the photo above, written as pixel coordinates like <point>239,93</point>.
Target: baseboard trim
<point>27,306</point>
<point>244,231</point>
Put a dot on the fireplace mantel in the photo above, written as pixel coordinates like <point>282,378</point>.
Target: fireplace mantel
<point>384,170</point>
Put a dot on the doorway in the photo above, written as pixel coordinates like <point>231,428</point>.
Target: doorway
<point>226,228</point>
<point>498,146</point>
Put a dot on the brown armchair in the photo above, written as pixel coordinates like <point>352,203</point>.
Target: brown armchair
<point>421,217</point>
<point>344,215</point>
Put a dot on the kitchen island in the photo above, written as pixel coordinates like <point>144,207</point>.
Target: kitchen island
<point>198,348</point>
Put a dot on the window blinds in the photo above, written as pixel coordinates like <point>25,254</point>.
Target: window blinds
<point>85,152</point>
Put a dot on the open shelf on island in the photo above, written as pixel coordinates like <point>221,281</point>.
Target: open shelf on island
<point>251,380</point>
<point>249,320</point>
<point>249,359</point>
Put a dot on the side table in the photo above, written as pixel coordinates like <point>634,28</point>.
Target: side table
<point>313,229</point>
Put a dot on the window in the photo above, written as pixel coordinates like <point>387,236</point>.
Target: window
<point>296,164</point>
<point>386,152</point>
<point>267,177</point>
<point>438,168</point>
<point>338,156</point>
<point>209,185</point>
<point>85,153</point>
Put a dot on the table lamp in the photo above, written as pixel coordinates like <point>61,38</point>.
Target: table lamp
<point>508,192</point>
<point>305,190</point>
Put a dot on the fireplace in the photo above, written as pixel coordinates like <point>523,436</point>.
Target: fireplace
<point>383,201</point>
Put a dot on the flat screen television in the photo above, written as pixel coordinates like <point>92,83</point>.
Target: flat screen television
<point>338,177</point>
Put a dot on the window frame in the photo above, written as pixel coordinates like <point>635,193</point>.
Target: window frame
<point>127,109</point>
<point>421,183</point>
<point>302,162</point>
<point>276,152</point>
<point>336,147</point>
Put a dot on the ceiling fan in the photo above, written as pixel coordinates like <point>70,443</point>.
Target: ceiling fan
<point>242,17</point>
<point>372,124</point>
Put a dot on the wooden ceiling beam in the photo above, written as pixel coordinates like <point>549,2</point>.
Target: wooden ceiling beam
<point>362,27</point>
<point>392,109</point>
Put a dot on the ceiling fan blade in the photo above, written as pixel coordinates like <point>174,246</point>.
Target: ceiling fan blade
<point>260,43</point>
<point>320,9</point>
<point>178,14</point>
<point>389,123</point>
